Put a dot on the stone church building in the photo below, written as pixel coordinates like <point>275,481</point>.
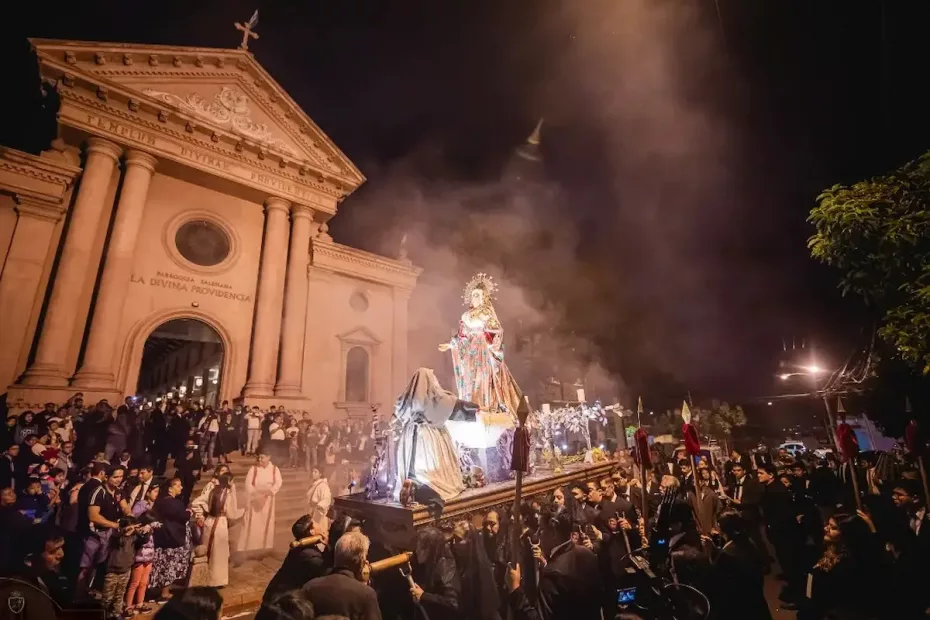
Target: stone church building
<point>173,241</point>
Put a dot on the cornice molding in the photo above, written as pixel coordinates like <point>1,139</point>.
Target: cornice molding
<point>103,63</point>
<point>359,264</point>
<point>39,209</point>
<point>172,138</point>
<point>39,178</point>
<point>177,126</point>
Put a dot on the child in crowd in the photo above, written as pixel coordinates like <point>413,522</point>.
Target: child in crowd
<point>292,444</point>
<point>33,503</point>
<point>145,555</point>
<point>119,566</point>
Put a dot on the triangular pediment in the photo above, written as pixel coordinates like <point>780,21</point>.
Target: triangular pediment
<point>359,335</point>
<point>226,90</point>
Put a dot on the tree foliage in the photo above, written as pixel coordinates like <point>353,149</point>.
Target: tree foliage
<point>721,419</point>
<point>877,234</point>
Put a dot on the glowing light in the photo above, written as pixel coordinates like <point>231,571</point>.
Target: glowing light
<point>769,403</point>
<point>565,446</point>
<point>784,377</point>
<point>814,369</point>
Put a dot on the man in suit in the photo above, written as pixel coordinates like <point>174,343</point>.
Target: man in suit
<point>784,531</point>
<point>745,496</point>
<point>569,582</point>
<point>612,505</point>
<point>736,458</point>
<point>344,592</point>
<point>146,480</point>
<point>910,536</point>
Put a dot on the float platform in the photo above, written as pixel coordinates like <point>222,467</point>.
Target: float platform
<point>394,525</point>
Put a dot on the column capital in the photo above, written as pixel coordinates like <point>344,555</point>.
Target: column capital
<point>39,209</point>
<point>104,147</point>
<point>301,211</point>
<point>135,157</point>
<point>274,203</point>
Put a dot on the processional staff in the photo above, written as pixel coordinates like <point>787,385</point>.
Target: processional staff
<point>519,463</point>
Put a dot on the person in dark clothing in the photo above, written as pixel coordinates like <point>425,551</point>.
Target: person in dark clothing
<point>157,441</point>
<point>188,467</point>
<point>8,467</point>
<point>745,496</point>
<point>179,430</point>
<point>739,572</point>
<point>736,458</point>
<point>8,433</point>
<point>436,586</point>
<point>344,591</point>
<point>479,598</point>
<point>300,566</point>
<point>13,529</point>
<point>569,584</point>
<point>783,530</point>
<point>851,568</point>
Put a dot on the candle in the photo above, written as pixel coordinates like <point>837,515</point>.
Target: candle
<point>580,395</point>
<point>545,408</point>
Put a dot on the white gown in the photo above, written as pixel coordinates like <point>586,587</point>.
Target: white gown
<point>261,486</point>
<point>216,532</point>
<point>319,499</point>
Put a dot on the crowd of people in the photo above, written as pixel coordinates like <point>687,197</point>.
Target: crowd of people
<point>729,524</point>
<point>88,514</point>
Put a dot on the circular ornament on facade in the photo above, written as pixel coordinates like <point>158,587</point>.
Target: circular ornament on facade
<point>202,242</point>
<point>358,301</point>
<point>199,241</point>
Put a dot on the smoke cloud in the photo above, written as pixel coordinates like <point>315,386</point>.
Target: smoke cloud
<point>620,255</point>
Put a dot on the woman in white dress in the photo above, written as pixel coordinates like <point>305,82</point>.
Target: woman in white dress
<point>214,509</point>
<point>320,499</point>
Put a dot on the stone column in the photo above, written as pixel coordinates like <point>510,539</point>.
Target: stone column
<point>74,266</point>
<point>22,275</point>
<point>270,297</point>
<point>400,374</point>
<point>295,303</point>
<point>97,369</point>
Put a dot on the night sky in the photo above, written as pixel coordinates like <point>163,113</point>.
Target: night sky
<point>685,155</point>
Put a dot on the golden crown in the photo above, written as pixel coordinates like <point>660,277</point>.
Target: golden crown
<point>482,281</point>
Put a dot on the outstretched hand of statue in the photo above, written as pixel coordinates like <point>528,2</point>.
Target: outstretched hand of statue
<point>445,346</point>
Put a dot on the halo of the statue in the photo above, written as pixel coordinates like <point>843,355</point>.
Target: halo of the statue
<point>483,281</point>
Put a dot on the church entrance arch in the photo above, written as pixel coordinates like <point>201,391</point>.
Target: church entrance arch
<point>182,358</point>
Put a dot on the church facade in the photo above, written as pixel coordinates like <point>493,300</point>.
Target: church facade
<point>187,189</point>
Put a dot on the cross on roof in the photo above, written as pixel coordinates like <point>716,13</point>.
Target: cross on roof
<point>246,29</point>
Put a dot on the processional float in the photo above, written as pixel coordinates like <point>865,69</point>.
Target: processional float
<point>448,457</point>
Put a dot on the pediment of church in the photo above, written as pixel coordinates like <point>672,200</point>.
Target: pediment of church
<point>359,335</point>
<point>216,95</point>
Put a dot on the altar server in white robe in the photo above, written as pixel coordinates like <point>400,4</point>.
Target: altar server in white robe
<point>262,483</point>
<point>319,500</point>
<point>215,509</point>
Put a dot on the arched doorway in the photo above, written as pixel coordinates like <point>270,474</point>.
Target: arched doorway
<point>182,358</point>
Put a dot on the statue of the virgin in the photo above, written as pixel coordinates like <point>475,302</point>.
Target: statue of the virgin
<point>481,376</point>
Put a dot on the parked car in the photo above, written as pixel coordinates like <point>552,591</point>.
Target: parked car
<point>794,448</point>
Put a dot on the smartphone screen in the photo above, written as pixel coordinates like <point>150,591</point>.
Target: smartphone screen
<point>626,596</point>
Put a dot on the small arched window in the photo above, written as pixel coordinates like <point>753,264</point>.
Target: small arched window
<point>357,375</point>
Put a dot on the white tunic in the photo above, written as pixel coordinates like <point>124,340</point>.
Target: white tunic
<point>216,533</point>
<point>261,485</point>
<point>319,498</point>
